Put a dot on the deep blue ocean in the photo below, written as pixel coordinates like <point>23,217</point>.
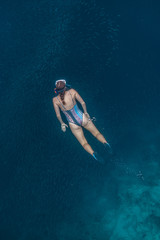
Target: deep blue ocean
<point>50,188</point>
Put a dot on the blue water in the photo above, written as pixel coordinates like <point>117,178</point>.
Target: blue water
<point>50,187</point>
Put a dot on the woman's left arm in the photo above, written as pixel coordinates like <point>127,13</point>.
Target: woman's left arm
<point>58,114</point>
<point>56,108</point>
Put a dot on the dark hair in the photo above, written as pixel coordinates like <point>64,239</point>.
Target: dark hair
<point>61,86</point>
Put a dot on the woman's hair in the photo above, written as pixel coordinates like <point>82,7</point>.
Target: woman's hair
<point>60,86</point>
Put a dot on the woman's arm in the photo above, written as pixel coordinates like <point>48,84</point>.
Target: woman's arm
<point>56,108</point>
<point>79,99</point>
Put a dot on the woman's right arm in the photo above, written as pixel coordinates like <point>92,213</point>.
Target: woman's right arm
<point>82,102</point>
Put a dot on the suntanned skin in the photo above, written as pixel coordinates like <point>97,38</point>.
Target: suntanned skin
<point>77,130</point>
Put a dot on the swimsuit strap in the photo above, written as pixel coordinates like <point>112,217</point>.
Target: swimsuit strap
<point>62,104</point>
<point>71,97</point>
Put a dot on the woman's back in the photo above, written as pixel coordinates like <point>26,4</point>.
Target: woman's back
<point>68,101</point>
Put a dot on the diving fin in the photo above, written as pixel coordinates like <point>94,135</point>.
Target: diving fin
<point>98,158</point>
<point>108,148</point>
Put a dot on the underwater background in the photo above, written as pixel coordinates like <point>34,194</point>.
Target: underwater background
<point>50,188</point>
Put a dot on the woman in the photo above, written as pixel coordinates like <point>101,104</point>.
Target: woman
<point>65,100</point>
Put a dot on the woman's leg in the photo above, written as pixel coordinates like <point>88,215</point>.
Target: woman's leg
<point>78,133</point>
<point>91,127</point>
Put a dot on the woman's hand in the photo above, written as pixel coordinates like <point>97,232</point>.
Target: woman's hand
<point>87,115</point>
<point>63,127</point>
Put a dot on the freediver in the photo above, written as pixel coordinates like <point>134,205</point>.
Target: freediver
<point>65,100</point>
